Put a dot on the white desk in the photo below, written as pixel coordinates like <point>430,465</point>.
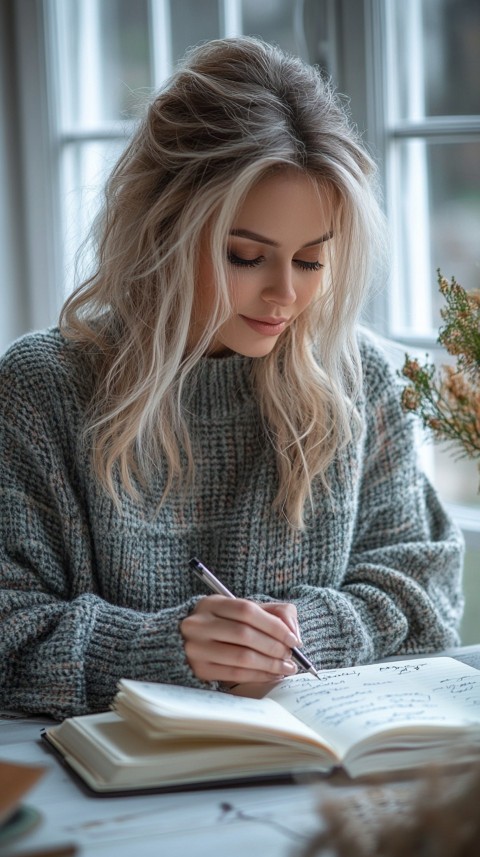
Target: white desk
<point>271,821</point>
<point>266,820</point>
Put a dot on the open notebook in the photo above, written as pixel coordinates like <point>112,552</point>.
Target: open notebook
<point>366,719</point>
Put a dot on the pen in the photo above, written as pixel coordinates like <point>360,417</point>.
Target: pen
<point>207,577</point>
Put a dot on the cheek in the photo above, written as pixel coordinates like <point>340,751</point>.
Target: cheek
<point>242,289</point>
<point>311,292</point>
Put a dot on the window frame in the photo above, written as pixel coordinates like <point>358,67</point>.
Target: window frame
<point>39,189</point>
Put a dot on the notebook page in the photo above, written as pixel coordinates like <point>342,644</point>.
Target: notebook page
<point>348,705</point>
<point>194,710</point>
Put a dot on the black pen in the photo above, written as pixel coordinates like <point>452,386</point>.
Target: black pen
<point>207,577</point>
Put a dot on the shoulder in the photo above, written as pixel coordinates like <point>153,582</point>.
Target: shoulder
<point>381,359</point>
<point>382,389</point>
<point>33,348</point>
<point>381,396</point>
<point>43,366</point>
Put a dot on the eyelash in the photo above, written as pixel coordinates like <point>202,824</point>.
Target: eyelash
<point>243,263</point>
<point>309,266</point>
<point>252,263</point>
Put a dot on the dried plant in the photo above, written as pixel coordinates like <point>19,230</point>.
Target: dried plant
<point>438,817</point>
<point>448,399</point>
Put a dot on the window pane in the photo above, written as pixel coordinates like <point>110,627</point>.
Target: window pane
<point>436,202</point>
<point>457,479</point>
<point>436,57</point>
<point>454,181</point>
<point>84,169</point>
<point>272,20</point>
<point>304,29</point>
<point>104,59</point>
<point>192,21</point>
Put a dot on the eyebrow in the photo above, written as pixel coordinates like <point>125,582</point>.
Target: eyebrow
<point>262,239</point>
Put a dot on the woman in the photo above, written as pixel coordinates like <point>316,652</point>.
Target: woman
<point>208,394</point>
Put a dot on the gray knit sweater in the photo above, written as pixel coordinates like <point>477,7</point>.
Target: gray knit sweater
<point>88,595</point>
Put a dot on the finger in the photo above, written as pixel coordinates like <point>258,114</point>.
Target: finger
<point>252,614</point>
<point>208,628</point>
<point>234,675</point>
<point>247,660</point>
<point>287,613</point>
<point>226,662</point>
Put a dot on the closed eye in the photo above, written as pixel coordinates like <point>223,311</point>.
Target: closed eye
<point>308,266</point>
<point>243,263</point>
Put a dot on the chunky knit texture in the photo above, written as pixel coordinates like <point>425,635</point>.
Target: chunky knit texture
<point>89,595</point>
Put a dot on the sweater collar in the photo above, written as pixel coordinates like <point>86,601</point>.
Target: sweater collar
<point>219,387</point>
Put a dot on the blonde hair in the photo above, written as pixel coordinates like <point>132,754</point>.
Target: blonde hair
<point>235,110</point>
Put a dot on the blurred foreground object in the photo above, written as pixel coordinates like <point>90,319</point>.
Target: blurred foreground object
<point>436,817</point>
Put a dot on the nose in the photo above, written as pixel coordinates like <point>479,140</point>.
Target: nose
<point>280,290</point>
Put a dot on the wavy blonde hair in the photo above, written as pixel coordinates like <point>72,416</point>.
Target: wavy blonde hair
<point>233,111</point>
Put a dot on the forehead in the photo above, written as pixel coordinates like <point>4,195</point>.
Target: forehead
<point>286,203</point>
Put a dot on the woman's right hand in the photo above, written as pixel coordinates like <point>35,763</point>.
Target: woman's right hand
<point>235,640</point>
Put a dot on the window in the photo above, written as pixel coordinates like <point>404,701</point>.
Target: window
<point>431,155</point>
<point>410,67</point>
<point>107,56</point>
<point>427,120</point>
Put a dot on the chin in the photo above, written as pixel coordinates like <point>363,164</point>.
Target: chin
<point>259,349</point>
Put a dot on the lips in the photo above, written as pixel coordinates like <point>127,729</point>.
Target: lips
<point>266,326</point>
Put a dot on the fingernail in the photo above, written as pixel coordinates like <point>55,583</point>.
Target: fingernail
<point>295,628</point>
<point>289,667</point>
<point>292,641</point>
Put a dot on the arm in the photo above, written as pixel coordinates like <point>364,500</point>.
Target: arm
<point>73,601</point>
<point>387,580</point>
<point>400,591</point>
<point>63,645</point>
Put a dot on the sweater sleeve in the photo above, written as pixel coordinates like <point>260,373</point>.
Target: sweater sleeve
<point>400,591</point>
<point>62,646</point>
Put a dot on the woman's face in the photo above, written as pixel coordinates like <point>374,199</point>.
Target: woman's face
<point>275,258</point>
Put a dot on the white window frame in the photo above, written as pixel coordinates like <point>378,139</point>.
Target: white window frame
<point>39,186</point>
